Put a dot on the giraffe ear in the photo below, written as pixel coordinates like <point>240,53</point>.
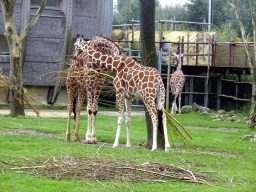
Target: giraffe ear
<point>82,36</point>
<point>77,36</point>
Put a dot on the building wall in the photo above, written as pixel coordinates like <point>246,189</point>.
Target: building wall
<point>46,40</point>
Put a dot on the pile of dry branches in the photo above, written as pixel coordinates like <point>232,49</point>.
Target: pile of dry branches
<point>100,169</point>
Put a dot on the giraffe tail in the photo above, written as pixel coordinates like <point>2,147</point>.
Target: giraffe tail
<point>160,122</point>
<point>74,108</point>
<point>159,110</point>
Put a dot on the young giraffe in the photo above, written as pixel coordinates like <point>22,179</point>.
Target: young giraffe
<point>132,81</point>
<point>177,83</point>
<point>90,82</point>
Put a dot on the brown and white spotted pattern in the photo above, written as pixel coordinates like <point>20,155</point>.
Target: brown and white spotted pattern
<point>90,83</point>
<point>177,82</point>
<point>132,80</point>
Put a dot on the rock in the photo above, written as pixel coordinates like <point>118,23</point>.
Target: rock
<point>247,137</point>
<point>186,109</point>
<point>216,119</point>
<point>195,107</point>
<point>221,112</point>
<point>245,118</point>
<point>204,109</point>
<point>233,118</point>
<point>205,113</point>
<point>238,121</point>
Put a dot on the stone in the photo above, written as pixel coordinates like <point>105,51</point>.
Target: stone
<point>238,121</point>
<point>245,118</point>
<point>186,109</point>
<point>205,113</point>
<point>220,111</point>
<point>247,137</point>
<point>204,109</point>
<point>195,107</point>
<point>216,119</point>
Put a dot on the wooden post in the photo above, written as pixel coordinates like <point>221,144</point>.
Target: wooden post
<point>191,90</point>
<point>168,86</point>
<point>197,48</point>
<point>188,48</point>
<point>208,73</point>
<point>132,31</point>
<point>219,86</point>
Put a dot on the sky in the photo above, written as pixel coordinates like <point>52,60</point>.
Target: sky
<point>168,2</point>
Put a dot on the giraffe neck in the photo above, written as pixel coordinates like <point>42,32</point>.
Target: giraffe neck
<point>105,61</point>
<point>179,64</point>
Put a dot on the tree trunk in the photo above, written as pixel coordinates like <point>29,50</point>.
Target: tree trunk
<point>16,84</point>
<point>253,106</point>
<point>147,35</point>
<point>15,43</point>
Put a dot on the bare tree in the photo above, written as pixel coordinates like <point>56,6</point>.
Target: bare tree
<point>15,42</point>
<point>252,57</point>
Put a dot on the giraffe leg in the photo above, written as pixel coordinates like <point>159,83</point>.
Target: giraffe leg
<point>120,99</point>
<point>180,103</point>
<point>89,87</point>
<point>81,97</point>
<point>167,144</point>
<point>71,89</point>
<point>97,91</point>
<point>173,105</point>
<point>151,107</point>
<point>128,103</point>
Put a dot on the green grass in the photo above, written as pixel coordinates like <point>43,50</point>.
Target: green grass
<point>233,173</point>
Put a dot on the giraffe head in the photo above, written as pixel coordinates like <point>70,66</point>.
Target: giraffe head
<point>79,44</point>
<point>177,57</point>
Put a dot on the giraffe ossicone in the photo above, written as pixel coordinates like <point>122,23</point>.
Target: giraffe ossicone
<point>132,78</point>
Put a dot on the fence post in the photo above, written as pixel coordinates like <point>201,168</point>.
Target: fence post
<point>231,54</point>
<point>197,48</point>
<point>168,86</point>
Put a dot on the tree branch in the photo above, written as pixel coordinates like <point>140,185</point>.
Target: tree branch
<point>233,3</point>
<point>34,20</point>
<point>254,27</point>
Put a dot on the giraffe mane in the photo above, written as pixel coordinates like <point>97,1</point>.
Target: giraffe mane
<point>111,40</point>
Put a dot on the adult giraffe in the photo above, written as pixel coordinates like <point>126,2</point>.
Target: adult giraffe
<point>132,80</point>
<point>177,82</point>
<point>90,83</point>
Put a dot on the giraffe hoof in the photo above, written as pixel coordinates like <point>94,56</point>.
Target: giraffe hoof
<point>89,141</point>
<point>167,149</point>
<point>128,146</point>
<point>77,139</point>
<point>115,146</point>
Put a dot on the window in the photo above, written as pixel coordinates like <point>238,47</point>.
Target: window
<point>49,3</point>
<point>3,44</point>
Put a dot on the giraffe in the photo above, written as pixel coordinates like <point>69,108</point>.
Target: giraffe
<point>132,80</point>
<point>177,83</point>
<point>91,84</point>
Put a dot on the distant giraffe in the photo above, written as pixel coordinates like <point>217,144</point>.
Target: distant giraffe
<point>177,83</point>
<point>132,80</point>
<point>90,83</point>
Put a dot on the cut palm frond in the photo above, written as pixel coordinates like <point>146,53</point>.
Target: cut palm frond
<point>4,82</point>
<point>175,127</point>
